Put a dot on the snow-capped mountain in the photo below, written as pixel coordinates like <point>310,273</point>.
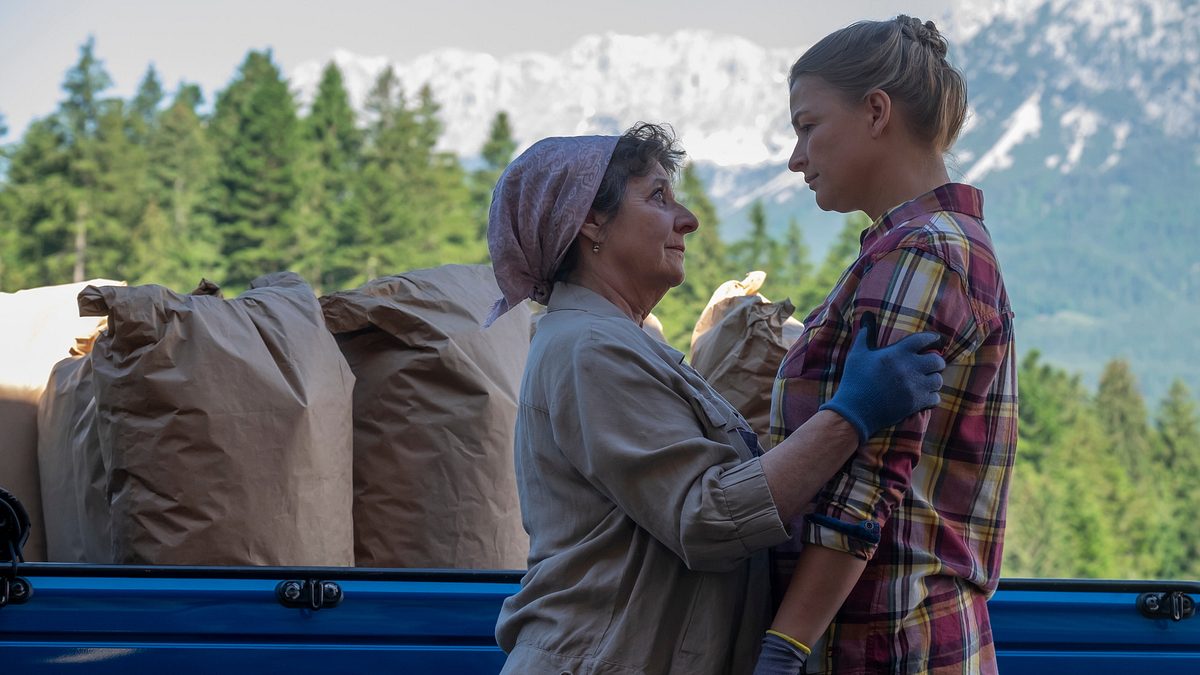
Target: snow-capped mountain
<point>726,96</point>
<point>1084,134</point>
<point>1089,70</point>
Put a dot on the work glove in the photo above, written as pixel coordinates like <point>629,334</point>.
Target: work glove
<point>779,657</point>
<point>882,386</point>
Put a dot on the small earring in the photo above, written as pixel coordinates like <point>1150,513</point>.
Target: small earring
<point>595,248</point>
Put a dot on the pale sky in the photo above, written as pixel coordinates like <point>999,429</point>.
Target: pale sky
<point>204,41</point>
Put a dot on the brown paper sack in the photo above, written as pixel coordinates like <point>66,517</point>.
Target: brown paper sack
<point>738,344</point>
<point>225,425</point>
<point>73,476</point>
<point>434,411</point>
<point>41,327</point>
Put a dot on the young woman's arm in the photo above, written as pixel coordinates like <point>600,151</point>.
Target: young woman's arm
<point>843,532</point>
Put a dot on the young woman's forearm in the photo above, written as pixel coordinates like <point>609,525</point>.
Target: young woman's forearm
<point>822,581</point>
<point>799,466</point>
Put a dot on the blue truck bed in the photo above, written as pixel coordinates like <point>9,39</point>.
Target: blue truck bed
<point>125,619</point>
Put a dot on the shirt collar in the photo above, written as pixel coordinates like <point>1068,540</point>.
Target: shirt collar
<point>956,197</point>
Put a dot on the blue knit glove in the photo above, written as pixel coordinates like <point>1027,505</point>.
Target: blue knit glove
<point>882,386</point>
<point>779,657</point>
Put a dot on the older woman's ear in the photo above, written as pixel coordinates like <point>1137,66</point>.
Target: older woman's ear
<point>591,229</point>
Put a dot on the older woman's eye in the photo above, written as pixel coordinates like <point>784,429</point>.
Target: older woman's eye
<point>659,195</point>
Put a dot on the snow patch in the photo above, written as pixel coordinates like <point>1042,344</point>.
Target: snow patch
<point>1120,135</point>
<point>1025,122</point>
<point>1084,123</point>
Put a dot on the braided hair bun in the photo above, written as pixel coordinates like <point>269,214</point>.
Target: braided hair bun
<point>926,34</point>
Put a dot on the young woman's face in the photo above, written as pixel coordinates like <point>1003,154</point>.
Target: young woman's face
<point>833,145</point>
<point>646,237</point>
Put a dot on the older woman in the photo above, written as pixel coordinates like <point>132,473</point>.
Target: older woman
<point>648,505</point>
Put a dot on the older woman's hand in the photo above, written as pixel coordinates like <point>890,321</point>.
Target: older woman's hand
<point>882,386</point>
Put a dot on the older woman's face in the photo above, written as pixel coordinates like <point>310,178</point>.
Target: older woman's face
<point>645,240</point>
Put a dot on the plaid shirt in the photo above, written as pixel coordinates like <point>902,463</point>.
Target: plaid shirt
<point>934,487</point>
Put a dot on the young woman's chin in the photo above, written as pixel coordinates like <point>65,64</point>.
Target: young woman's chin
<point>828,203</point>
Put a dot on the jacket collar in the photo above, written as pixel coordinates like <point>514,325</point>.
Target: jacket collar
<point>579,298</point>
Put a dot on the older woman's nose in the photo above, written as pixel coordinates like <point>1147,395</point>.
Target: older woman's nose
<point>687,221</point>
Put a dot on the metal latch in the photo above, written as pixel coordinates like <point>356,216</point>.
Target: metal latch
<point>14,531</point>
<point>311,594</point>
<point>14,590</point>
<point>1173,605</point>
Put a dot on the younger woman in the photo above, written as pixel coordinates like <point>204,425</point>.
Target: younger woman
<point>906,539</point>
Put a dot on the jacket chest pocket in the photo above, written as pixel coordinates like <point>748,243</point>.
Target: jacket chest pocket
<point>724,424</point>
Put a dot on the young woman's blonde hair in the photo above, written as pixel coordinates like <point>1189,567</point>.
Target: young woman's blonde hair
<point>905,58</point>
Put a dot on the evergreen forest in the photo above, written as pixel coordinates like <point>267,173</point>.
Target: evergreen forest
<point>164,188</point>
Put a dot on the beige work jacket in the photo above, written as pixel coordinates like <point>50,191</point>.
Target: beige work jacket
<point>648,512</point>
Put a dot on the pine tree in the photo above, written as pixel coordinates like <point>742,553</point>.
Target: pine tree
<point>441,202</point>
<point>1140,515</point>
<point>1179,429</point>
<point>496,153</point>
<point>1122,412</point>
<point>81,112</point>
<point>379,208</point>
<point>499,148</point>
<point>151,248</point>
<point>143,109</point>
<point>9,235</point>
<point>332,151</point>
<point>757,250</point>
<point>119,195</point>
<point>39,207</point>
<point>182,172</point>
<point>412,206</point>
<point>84,85</point>
<point>1179,439</point>
<point>1059,523</point>
<point>257,135</point>
<point>69,181</point>
<point>792,270</point>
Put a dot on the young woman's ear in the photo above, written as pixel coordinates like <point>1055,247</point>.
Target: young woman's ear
<point>879,111</point>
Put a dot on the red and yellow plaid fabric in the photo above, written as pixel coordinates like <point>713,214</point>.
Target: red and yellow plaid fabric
<point>936,484</point>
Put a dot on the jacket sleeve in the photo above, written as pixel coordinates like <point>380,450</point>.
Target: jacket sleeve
<point>620,418</point>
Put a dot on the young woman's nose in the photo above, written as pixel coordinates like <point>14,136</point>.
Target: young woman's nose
<point>799,159</point>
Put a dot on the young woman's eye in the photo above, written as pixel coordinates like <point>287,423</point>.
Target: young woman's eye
<point>805,128</point>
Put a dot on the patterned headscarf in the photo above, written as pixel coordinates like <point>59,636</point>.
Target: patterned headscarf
<point>538,208</point>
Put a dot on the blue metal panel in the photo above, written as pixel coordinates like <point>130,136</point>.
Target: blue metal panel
<point>204,620</point>
<point>160,623</point>
<point>1064,627</point>
<point>181,659</point>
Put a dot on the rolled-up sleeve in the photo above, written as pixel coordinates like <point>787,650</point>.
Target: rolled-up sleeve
<point>910,290</point>
<point>620,418</point>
